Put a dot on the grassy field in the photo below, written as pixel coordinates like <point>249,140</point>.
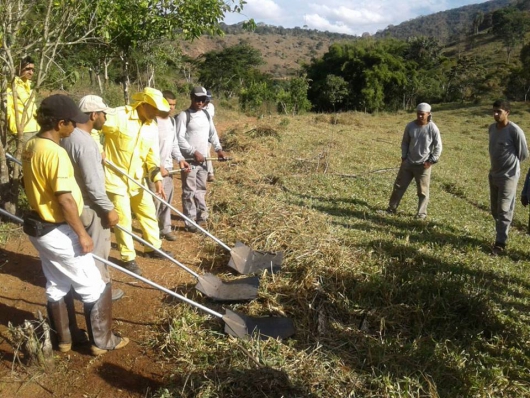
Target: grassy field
<point>384,306</point>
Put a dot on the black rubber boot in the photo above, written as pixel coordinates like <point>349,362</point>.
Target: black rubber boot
<point>58,315</point>
<point>98,317</point>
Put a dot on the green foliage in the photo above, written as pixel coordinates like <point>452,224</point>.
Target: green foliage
<point>229,70</point>
<point>292,100</point>
<point>510,26</point>
<point>258,98</point>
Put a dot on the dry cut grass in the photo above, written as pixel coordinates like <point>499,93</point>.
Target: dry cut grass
<point>384,306</point>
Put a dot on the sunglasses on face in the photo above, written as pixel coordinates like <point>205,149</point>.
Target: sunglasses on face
<point>200,99</point>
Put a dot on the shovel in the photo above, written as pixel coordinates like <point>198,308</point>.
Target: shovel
<point>242,258</point>
<point>237,325</point>
<point>209,284</point>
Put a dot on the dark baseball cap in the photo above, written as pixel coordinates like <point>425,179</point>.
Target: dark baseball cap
<point>62,107</point>
<point>199,92</point>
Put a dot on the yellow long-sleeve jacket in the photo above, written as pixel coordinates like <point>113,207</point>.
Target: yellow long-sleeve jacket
<point>24,101</point>
<point>132,146</point>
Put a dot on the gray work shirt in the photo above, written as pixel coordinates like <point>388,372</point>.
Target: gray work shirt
<point>507,149</point>
<point>421,143</point>
<point>88,170</point>
<point>168,143</point>
<point>196,135</point>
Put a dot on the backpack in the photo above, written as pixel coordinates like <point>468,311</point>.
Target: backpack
<point>188,116</point>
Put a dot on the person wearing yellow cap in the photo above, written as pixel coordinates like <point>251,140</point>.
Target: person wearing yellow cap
<point>21,102</point>
<point>131,143</point>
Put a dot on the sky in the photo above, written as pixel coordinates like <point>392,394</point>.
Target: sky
<point>353,17</point>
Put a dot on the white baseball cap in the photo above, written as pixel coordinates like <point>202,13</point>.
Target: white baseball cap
<point>93,103</point>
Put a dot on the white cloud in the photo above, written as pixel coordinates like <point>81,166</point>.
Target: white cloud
<point>315,21</point>
<point>350,16</point>
<point>263,10</point>
<point>342,16</point>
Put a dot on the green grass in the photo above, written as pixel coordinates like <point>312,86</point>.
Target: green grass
<point>384,306</point>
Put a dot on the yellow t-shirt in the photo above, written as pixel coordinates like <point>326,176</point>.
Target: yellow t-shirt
<point>25,107</point>
<point>47,171</point>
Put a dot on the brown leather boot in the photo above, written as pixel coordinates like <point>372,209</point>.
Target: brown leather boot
<point>98,317</point>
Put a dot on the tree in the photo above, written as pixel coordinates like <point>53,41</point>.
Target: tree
<point>510,26</point>
<point>229,70</point>
<point>131,24</point>
<point>293,99</point>
<point>43,29</point>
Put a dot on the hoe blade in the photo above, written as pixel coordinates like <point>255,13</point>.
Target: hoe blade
<point>237,290</point>
<point>247,261</point>
<point>242,326</point>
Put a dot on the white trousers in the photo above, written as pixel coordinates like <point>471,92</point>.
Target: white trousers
<point>64,266</point>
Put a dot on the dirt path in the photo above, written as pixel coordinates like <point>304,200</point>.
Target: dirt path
<point>135,371</point>
<point>131,372</point>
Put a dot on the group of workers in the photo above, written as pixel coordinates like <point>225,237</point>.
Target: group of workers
<point>84,166</point>
<point>84,169</point>
<point>421,147</point>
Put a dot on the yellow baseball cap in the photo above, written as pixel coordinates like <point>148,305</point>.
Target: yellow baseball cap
<point>153,97</point>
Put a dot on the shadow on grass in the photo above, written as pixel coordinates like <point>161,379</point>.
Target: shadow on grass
<point>426,323</point>
<point>236,382</point>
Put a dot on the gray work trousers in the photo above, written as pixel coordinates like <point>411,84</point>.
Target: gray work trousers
<point>406,173</point>
<point>163,213</point>
<point>194,193</point>
<point>101,238</point>
<point>502,200</point>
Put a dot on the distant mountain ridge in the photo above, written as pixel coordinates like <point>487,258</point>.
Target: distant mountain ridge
<point>444,25</point>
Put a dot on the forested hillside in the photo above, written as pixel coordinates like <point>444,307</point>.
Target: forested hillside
<point>446,25</point>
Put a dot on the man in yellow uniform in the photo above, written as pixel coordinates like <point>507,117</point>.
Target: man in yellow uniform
<point>131,143</point>
<point>21,110</point>
<point>57,232</point>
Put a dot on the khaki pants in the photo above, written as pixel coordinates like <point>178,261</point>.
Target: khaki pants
<point>406,173</point>
<point>143,207</point>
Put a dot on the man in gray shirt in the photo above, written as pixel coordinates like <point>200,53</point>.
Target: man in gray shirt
<point>507,148</point>
<point>98,214</point>
<point>195,129</point>
<point>421,147</point>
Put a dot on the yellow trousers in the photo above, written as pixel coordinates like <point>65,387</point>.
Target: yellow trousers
<point>143,207</point>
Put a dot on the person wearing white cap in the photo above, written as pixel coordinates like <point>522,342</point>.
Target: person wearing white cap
<point>421,147</point>
<point>98,214</point>
<point>507,148</point>
<point>131,143</point>
<point>195,129</point>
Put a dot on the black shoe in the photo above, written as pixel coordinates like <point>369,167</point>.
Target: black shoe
<point>155,254</point>
<point>190,228</point>
<point>131,266</point>
<point>391,210</point>
<point>498,249</point>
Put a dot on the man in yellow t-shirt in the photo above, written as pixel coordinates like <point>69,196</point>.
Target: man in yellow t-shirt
<point>63,244</point>
<point>131,143</point>
<point>21,110</point>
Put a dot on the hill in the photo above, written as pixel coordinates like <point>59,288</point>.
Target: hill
<point>443,25</point>
<point>284,50</point>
